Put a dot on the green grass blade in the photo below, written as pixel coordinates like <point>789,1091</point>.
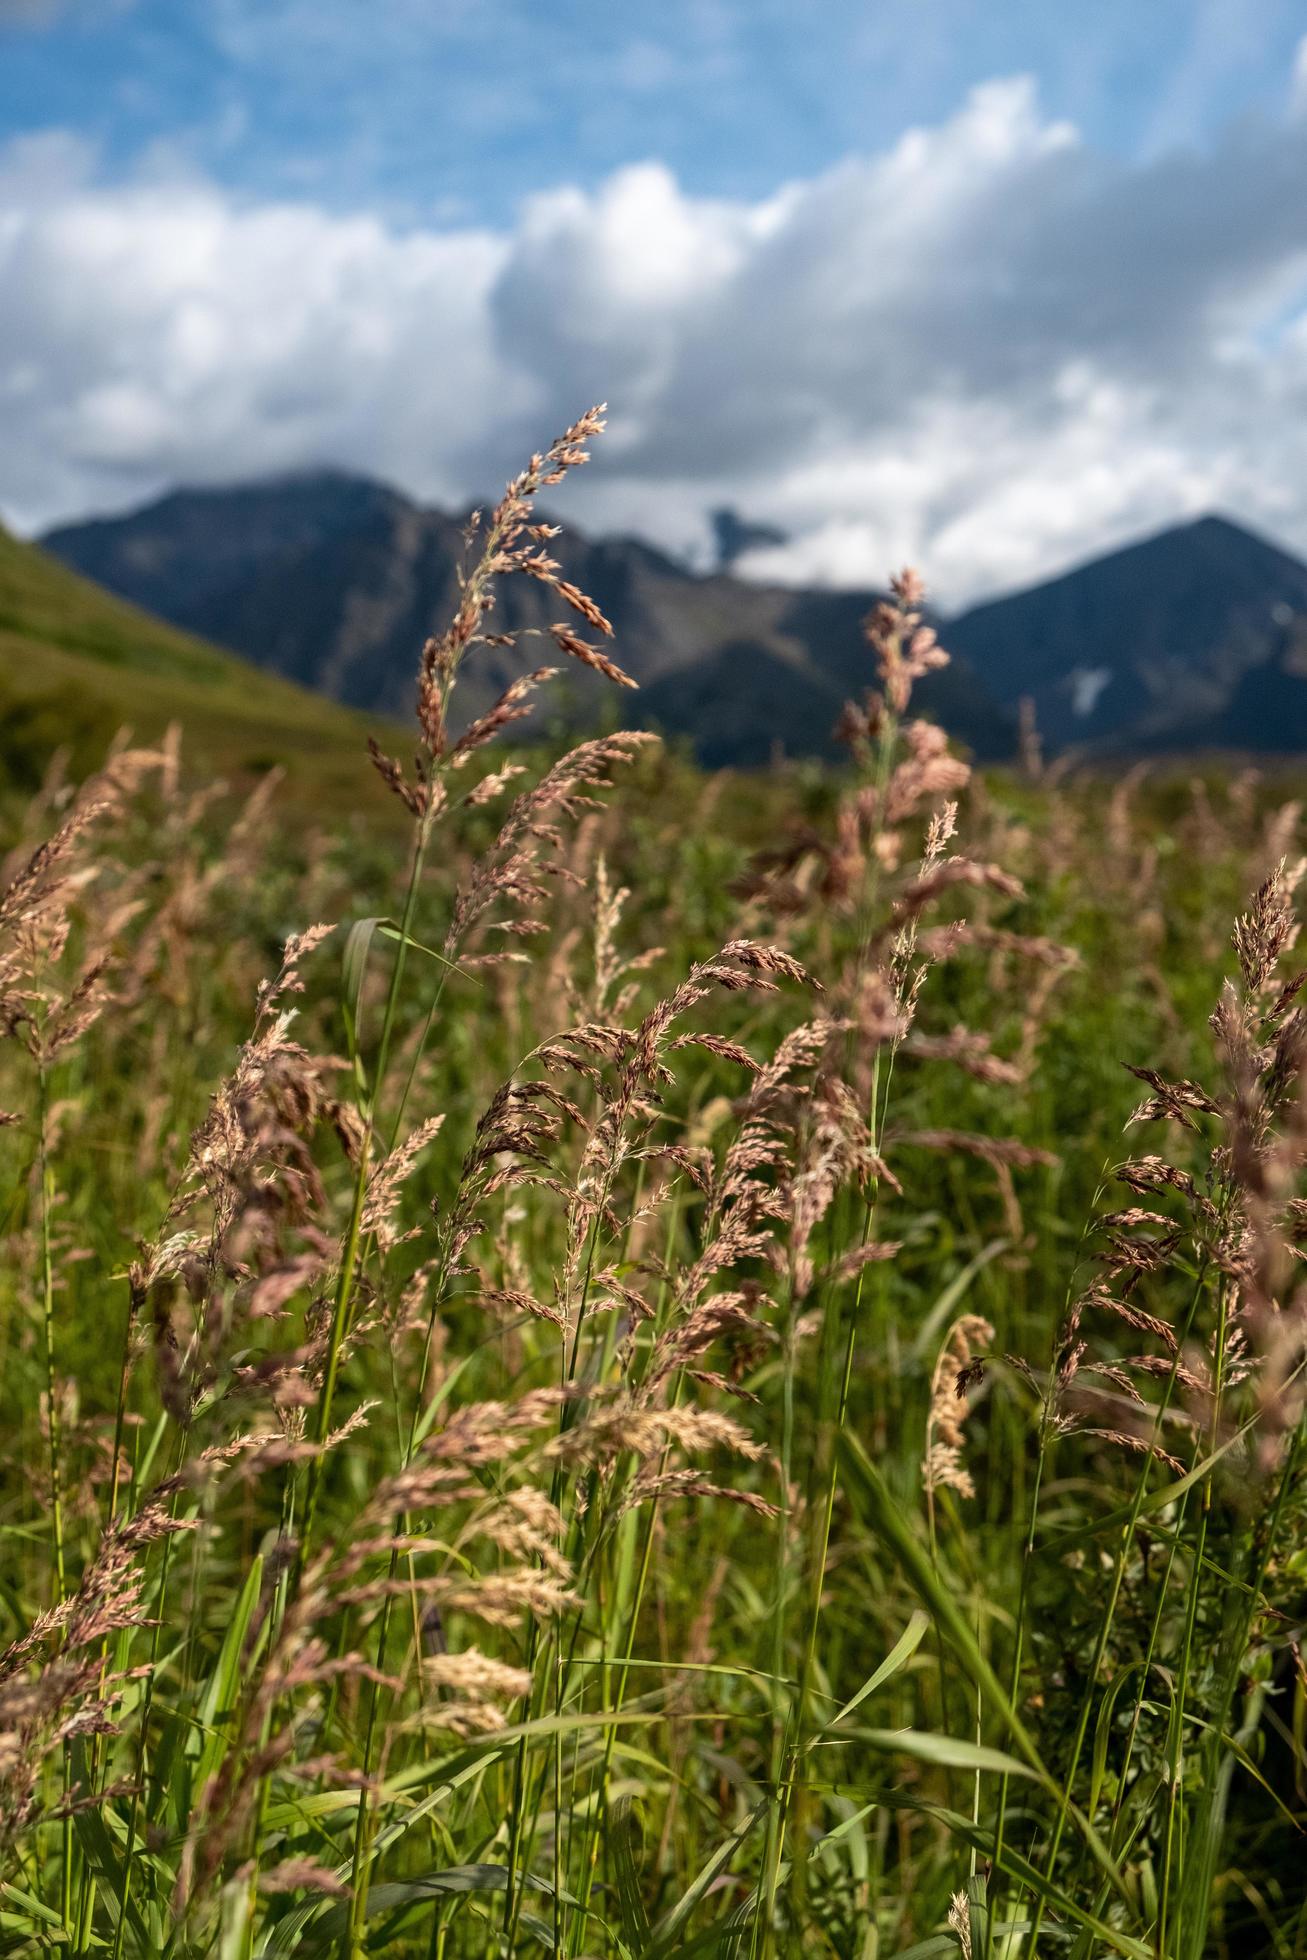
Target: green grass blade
<point>898,1657</point>
<point>665,1938</point>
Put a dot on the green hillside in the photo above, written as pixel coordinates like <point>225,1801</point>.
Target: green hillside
<point>77,664</point>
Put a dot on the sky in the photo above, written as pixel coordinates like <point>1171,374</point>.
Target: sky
<point>987,286</point>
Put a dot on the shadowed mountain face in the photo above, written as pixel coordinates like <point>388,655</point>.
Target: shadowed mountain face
<point>184,554</point>
<point>335,582</point>
<point>1151,648</point>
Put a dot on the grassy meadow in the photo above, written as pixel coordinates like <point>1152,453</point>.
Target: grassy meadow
<point>613,1361</point>
<point>77,665</point>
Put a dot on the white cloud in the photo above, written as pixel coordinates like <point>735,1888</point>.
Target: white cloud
<point>986,348</point>
<point>159,331</point>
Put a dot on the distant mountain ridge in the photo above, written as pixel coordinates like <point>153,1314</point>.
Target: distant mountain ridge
<point>334,581</point>
<point>1149,648</point>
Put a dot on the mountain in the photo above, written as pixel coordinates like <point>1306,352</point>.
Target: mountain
<point>1269,698</point>
<point>76,664</point>
<point>1170,643</point>
<point>335,582</point>
<point>733,535</point>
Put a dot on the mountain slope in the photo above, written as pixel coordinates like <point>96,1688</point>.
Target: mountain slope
<point>1148,647</point>
<point>76,664</point>
<point>337,582</point>
<point>194,546</point>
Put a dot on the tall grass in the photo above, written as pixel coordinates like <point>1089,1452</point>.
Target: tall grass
<point>666,1402</point>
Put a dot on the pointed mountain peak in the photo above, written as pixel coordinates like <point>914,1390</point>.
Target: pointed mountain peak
<point>1143,647</point>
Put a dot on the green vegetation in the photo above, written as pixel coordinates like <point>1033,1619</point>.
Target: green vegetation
<point>661,1389</point>
<point>76,665</point>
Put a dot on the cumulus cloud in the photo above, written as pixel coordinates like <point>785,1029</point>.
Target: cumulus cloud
<point>987,348</point>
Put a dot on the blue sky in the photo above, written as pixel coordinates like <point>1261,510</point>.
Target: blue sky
<point>460,107</point>
<point>986,286</point>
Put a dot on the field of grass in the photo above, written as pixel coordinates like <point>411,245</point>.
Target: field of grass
<point>78,664</point>
<point>632,1372</point>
